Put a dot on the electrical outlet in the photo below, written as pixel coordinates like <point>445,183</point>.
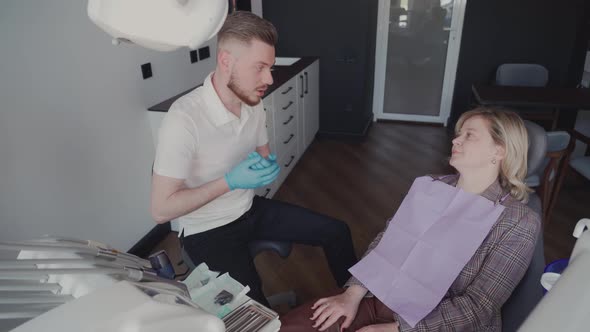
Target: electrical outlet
<point>146,70</point>
<point>194,57</point>
<point>204,53</point>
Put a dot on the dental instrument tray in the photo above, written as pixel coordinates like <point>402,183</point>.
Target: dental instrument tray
<point>249,317</point>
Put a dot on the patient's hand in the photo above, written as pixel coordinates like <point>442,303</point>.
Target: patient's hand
<point>389,327</point>
<point>328,310</point>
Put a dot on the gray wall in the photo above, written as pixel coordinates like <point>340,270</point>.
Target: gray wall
<point>76,146</point>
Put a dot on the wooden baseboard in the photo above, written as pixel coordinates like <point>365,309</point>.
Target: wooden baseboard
<point>348,135</point>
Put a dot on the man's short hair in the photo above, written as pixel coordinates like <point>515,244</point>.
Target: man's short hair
<point>245,26</point>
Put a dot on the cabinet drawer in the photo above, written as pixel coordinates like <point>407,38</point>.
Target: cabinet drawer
<point>269,116</point>
<point>285,114</point>
<point>287,162</point>
<point>285,117</point>
<point>284,93</point>
<point>267,191</point>
<point>272,145</point>
<point>285,102</point>
<point>285,128</point>
<point>267,104</point>
<point>269,123</point>
<point>286,138</point>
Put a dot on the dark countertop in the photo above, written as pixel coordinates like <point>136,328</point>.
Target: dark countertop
<point>280,75</point>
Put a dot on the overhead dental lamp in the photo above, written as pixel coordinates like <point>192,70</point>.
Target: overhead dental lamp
<point>161,25</point>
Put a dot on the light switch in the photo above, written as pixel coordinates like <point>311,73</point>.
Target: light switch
<point>194,57</point>
<point>204,53</point>
<point>146,70</point>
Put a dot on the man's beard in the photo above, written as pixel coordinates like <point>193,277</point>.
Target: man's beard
<point>244,97</point>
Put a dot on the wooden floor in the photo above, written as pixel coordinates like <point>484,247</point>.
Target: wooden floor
<point>363,184</point>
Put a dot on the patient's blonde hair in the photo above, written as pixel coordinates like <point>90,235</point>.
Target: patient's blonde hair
<point>507,130</point>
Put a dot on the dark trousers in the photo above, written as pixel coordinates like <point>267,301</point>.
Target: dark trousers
<point>225,249</point>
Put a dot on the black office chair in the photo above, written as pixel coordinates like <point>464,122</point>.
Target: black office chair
<point>282,248</point>
<point>528,292</point>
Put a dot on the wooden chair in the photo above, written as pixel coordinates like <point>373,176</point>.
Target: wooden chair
<point>528,75</point>
<point>581,165</point>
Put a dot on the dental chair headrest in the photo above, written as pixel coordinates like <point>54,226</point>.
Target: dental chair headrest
<point>537,146</point>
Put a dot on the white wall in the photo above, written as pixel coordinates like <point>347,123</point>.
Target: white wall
<point>256,7</point>
<point>76,147</point>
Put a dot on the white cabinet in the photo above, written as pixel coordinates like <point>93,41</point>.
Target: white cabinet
<point>268,109</point>
<point>309,103</point>
<point>294,108</point>
<point>285,118</point>
<point>312,102</point>
<point>268,103</point>
<point>282,123</point>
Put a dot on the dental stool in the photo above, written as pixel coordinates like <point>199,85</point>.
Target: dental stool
<point>282,248</point>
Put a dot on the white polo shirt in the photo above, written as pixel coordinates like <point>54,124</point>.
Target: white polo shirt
<point>200,141</point>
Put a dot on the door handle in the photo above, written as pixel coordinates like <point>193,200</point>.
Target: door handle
<point>289,120</point>
<point>306,82</point>
<point>290,161</point>
<point>287,91</point>
<point>288,105</point>
<point>301,77</point>
<point>289,139</point>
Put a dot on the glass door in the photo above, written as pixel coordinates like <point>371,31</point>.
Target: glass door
<point>416,62</point>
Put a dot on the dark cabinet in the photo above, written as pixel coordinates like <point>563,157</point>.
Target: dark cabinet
<point>342,33</point>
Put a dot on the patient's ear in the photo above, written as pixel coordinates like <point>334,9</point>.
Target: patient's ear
<point>500,152</point>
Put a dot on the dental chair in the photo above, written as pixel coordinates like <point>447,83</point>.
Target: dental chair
<point>528,292</point>
<point>548,180</point>
<point>566,306</point>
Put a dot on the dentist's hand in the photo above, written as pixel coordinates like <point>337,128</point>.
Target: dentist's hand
<point>264,163</point>
<point>243,176</point>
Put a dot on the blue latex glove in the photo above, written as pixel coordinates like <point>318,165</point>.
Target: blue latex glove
<point>243,176</point>
<point>264,163</point>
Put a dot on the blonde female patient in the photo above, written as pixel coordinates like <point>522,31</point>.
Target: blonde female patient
<point>455,249</point>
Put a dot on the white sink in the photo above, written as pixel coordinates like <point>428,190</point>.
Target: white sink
<point>285,61</point>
